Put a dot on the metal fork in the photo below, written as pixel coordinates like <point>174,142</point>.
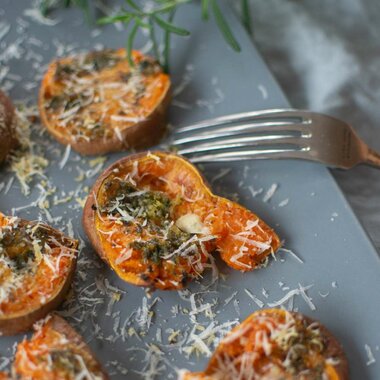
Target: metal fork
<point>274,134</point>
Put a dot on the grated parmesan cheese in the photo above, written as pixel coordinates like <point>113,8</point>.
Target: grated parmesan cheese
<point>270,192</point>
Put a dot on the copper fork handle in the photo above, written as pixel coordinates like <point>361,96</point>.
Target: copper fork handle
<point>373,158</point>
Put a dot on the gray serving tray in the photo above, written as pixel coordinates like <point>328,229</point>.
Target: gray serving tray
<point>307,210</point>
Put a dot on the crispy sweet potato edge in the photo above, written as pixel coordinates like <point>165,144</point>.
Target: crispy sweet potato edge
<point>7,118</point>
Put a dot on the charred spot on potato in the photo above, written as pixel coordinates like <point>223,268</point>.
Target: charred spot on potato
<point>7,127</point>
<point>184,279</point>
<point>56,102</point>
<point>100,60</point>
<point>63,71</point>
<point>144,277</point>
<point>125,77</point>
<point>66,361</point>
<point>148,67</point>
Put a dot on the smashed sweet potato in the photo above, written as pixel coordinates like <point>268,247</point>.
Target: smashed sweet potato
<point>98,103</point>
<point>7,121</point>
<point>57,352</point>
<point>37,265</point>
<point>278,345</point>
<point>155,221</point>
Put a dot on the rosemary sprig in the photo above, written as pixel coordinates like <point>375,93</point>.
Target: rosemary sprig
<point>167,44</point>
<point>136,16</point>
<point>161,17</point>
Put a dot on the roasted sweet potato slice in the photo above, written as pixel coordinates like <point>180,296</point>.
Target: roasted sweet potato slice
<point>7,120</point>
<point>56,352</point>
<point>155,221</point>
<point>98,103</point>
<point>37,264</point>
<point>275,344</point>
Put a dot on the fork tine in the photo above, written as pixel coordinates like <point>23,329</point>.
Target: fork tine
<point>246,141</point>
<point>257,154</point>
<point>276,115</point>
<point>271,129</point>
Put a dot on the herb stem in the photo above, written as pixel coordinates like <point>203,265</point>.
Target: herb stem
<point>167,43</point>
<point>130,40</point>
<point>44,7</point>
<point>153,37</point>
<point>223,26</point>
<point>246,15</point>
<point>205,6</point>
<point>134,6</point>
<point>169,6</point>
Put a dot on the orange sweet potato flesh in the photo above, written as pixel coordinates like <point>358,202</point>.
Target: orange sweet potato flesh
<point>151,250</point>
<point>55,351</point>
<point>98,103</point>
<point>37,264</point>
<point>276,344</point>
<point>7,119</point>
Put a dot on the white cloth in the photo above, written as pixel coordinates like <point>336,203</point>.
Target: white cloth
<point>326,56</point>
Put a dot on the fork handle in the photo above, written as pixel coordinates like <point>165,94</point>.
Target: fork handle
<point>373,158</point>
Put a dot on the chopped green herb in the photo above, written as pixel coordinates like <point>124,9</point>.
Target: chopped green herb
<point>66,361</point>
<point>100,60</point>
<point>56,102</point>
<point>151,209</point>
<point>17,245</point>
<point>152,205</point>
<point>63,71</point>
<point>155,249</point>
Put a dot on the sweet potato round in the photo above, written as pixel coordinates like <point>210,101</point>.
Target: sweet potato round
<point>110,106</point>
<point>7,120</point>
<point>19,311</point>
<point>221,217</point>
<point>269,338</point>
<point>54,335</point>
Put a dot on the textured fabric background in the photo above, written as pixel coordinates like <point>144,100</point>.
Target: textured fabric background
<point>326,56</point>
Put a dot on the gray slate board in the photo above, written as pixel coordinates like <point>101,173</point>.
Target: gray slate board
<point>317,223</point>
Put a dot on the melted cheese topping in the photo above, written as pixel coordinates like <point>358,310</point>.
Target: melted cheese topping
<point>156,220</point>
<point>97,95</point>
<point>34,264</point>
